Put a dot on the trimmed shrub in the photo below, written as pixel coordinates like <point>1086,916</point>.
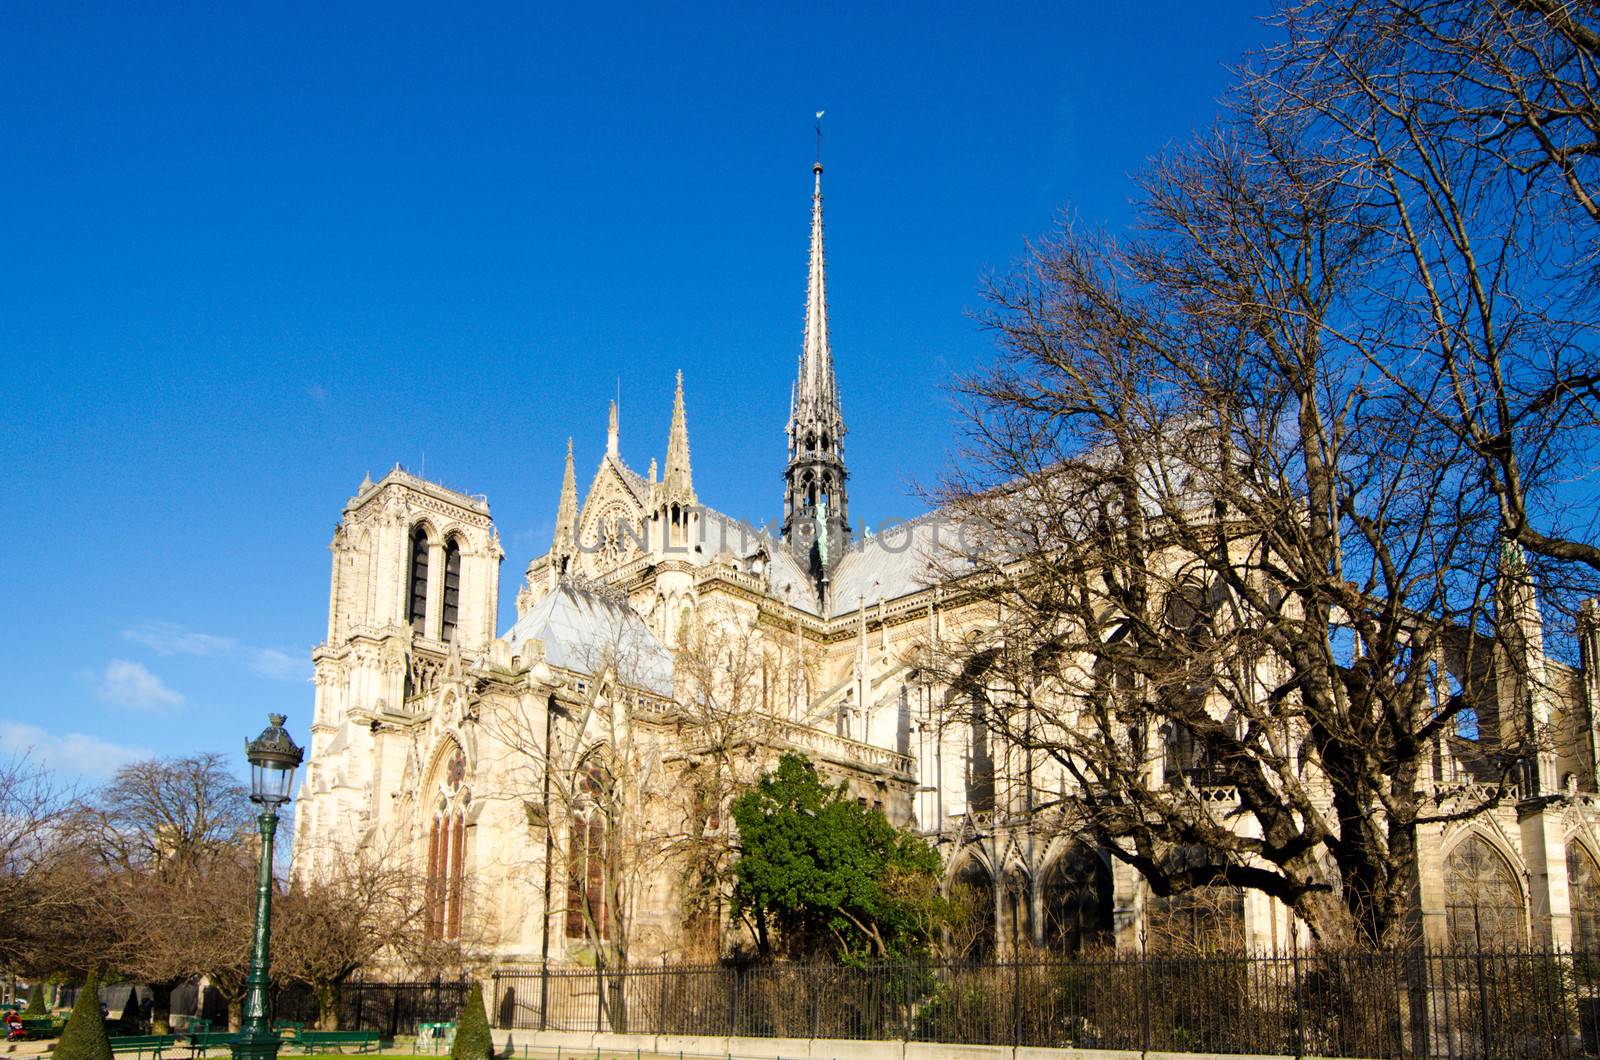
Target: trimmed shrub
<point>36,1002</point>
<point>473,1041</point>
<point>85,1034</point>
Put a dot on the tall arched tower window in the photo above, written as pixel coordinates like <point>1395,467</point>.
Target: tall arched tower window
<point>417,599</point>
<point>1483,901</point>
<point>452,591</point>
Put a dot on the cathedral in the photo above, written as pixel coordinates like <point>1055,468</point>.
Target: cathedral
<point>563,784</point>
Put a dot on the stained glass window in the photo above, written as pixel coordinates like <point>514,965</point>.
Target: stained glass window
<point>1483,901</point>
<point>1583,891</point>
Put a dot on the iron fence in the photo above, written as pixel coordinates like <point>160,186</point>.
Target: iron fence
<point>388,1008</point>
<point>1461,1006</point>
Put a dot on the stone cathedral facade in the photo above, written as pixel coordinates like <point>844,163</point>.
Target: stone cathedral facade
<point>499,763</point>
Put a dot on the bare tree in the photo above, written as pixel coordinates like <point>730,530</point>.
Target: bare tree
<point>730,715</point>
<point>593,754</point>
<point>171,814</point>
<point>1470,131</point>
<point>637,761</point>
<point>1239,591</point>
<point>45,889</point>
<point>366,907</point>
<point>176,850</point>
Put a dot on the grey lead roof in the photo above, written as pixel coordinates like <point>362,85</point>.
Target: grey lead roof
<point>898,561</point>
<point>586,632</point>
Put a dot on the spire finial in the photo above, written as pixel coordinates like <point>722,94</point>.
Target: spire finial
<point>677,480</point>
<point>612,433</point>
<point>817,168</point>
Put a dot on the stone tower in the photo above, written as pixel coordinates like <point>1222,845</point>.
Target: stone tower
<point>415,583</point>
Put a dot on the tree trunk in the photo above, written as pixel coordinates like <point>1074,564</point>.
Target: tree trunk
<point>328,998</point>
<point>1329,919</point>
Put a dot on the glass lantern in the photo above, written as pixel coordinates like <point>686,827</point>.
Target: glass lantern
<point>273,759</point>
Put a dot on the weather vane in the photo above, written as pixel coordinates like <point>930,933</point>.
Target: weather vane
<point>820,113</point>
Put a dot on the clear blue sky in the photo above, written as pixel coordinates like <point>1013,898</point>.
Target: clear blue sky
<point>251,252</point>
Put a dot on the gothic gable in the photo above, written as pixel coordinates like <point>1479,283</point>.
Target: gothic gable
<point>616,499</point>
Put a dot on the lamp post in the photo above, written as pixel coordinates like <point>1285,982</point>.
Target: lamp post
<point>273,758</point>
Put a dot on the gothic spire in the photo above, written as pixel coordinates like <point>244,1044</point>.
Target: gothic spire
<point>815,512</point>
<point>815,382</point>
<point>612,433</point>
<point>677,480</point>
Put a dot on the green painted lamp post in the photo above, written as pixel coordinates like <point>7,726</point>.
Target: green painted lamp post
<point>273,759</point>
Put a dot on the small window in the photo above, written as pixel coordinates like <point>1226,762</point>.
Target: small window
<point>452,590</point>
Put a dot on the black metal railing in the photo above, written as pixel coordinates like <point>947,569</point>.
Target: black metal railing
<point>1470,1006</point>
<point>389,1008</point>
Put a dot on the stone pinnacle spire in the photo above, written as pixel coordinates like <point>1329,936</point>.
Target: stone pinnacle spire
<point>677,480</point>
<point>564,550</point>
<point>567,510</point>
<point>612,433</point>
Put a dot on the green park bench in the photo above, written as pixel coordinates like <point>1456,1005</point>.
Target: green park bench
<point>335,1041</point>
<point>286,1029</point>
<point>40,1027</point>
<point>200,1042</point>
<point>140,1044</point>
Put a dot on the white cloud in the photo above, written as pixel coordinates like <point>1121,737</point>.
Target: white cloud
<point>74,752</point>
<point>129,684</point>
<point>164,638</point>
<point>270,662</point>
<point>167,638</point>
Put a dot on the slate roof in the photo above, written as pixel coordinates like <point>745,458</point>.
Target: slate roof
<point>902,559</point>
<point>581,630</point>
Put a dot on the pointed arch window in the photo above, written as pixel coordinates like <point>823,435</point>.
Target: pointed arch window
<point>435,872</point>
<point>447,877</point>
<point>1077,901</point>
<point>972,900</point>
<point>1483,901</point>
<point>446,892</point>
<point>586,850</point>
<point>452,591</point>
<point>417,600</point>
<point>1583,890</point>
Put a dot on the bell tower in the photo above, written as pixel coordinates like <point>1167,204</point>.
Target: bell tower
<point>816,511</point>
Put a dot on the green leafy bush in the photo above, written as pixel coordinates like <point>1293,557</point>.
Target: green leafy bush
<point>821,875</point>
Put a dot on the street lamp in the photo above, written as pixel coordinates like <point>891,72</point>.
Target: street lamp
<point>273,759</point>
